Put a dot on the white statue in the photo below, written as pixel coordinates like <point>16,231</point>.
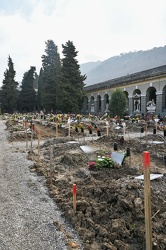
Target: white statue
<point>137,105</point>
<point>151,103</point>
<point>151,106</point>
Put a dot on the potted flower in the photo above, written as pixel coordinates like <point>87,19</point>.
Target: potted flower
<point>76,128</point>
<point>92,166</point>
<point>98,132</point>
<point>89,127</point>
<point>81,126</point>
<point>164,129</point>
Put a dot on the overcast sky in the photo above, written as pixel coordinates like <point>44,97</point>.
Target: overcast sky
<point>99,29</point>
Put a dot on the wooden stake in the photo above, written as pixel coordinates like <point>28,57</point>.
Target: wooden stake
<point>74,196</point>
<point>56,129</point>
<point>26,135</point>
<point>107,128</point>
<point>31,139</point>
<point>69,130</point>
<point>38,146</point>
<point>146,131</point>
<point>51,163</point>
<point>147,200</point>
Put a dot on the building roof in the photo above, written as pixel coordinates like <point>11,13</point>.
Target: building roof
<point>129,78</point>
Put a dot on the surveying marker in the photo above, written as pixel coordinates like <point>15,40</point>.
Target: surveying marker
<point>147,200</point>
<point>74,196</point>
<point>38,134</point>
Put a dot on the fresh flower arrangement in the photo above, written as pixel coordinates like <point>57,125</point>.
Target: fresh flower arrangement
<point>89,127</point>
<point>51,119</point>
<point>98,129</point>
<point>104,162</point>
<point>92,165</point>
<point>81,125</point>
<point>78,117</point>
<point>76,127</point>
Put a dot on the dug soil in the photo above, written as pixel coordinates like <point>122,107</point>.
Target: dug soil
<point>109,202</point>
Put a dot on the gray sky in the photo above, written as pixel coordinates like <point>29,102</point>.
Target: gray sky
<point>99,29</point>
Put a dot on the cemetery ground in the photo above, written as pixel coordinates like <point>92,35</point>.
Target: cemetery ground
<point>109,212</point>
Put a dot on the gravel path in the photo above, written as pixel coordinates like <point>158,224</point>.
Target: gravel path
<point>27,213</point>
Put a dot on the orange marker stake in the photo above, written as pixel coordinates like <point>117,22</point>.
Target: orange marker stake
<point>147,200</point>
<point>74,196</point>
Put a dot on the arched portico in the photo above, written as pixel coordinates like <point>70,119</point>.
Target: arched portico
<point>140,88</point>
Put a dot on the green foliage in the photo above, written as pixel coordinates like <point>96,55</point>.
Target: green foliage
<point>50,77</point>
<point>118,103</point>
<point>104,162</point>
<point>27,100</point>
<point>72,93</point>
<point>40,82</point>
<point>9,92</point>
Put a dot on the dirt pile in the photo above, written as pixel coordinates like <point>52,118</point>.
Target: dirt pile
<point>110,201</point>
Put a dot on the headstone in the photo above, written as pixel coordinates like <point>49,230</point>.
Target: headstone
<point>117,157</point>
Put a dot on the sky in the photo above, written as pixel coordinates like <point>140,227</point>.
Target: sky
<point>99,29</point>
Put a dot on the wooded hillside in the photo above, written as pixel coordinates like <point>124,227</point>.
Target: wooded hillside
<point>123,64</point>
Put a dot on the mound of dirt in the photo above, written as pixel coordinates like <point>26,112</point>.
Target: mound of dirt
<point>110,201</point>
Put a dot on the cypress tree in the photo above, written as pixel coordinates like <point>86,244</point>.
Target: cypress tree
<point>72,89</point>
<point>51,66</point>
<point>27,100</point>
<point>9,92</point>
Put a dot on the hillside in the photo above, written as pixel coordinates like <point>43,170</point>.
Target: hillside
<point>123,64</point>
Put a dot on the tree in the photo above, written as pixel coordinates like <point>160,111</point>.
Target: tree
<point>118,103</point>
<point>9,92</point>
<point>27,100</point>
<point>50,78</point>
<point>72,93</point>
<point>40,82</point>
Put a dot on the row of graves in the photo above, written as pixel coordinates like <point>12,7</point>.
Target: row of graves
<point>83,129</point>
<point>101,181</point>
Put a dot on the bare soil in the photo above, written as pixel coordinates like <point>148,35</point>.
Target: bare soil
<point>110,201</point>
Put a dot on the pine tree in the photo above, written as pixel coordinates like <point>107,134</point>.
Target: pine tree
<point>9,92</point>
<point>27,100</point>
<point>51,66</point>
<point>72,93</point>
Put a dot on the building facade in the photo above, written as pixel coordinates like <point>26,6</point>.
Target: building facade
<point>145,92</point>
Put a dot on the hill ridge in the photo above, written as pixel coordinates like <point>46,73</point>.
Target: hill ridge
<point>123,64</point>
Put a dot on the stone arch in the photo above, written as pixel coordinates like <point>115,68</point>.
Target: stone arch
<point>151,94</point>
<point>151,100</point>
<point>92,104</point>
<point>164,98</point>
<point>86,106</point>
<point>106,102</point>
<point>98,103</point>
<point>137,101</point>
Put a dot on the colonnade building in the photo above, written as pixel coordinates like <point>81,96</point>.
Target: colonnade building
<point>145,92</point>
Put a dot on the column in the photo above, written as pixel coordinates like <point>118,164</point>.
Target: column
<point>158,102</point>
<point>102,106</point>
<point>130,105</point>
<point>143,104</point>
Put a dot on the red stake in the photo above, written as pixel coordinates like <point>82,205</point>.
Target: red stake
<point>147,200</point>
<point>74,196</point>
<point>146,159</point>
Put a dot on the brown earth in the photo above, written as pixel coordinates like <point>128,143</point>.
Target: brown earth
<point>110,201</point>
